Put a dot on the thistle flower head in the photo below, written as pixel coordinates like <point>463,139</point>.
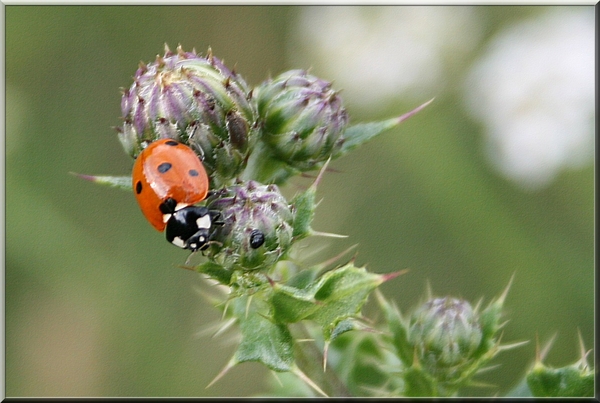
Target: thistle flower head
<point>445,333</point>
<point>195,100</point>
<point>257,226</point>
<point>302,118</point>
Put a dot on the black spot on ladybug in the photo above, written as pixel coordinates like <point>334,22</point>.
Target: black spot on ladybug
<point>171,143</point>
<point>193,172</point>
<point>257,238</point>
<point>164,167</point>
<point>138,187</point>
<point>168,206</point>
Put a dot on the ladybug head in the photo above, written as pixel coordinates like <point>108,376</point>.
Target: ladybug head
<point>190,227</point>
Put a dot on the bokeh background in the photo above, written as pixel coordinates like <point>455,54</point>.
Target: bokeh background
<point>494,178</point>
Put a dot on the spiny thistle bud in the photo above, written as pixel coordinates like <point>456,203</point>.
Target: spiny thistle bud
<point>302,119</point>
<point>445,333</point>
<point>257,226</point>
<point>195,100</point>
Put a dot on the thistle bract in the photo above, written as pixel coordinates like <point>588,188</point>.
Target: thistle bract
<point>302,119</point>
<point>195,100</point>
<point>257,226</point>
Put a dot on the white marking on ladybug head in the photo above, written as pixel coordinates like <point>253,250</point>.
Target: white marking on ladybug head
<point>166,217</point>
<point>203,222</point>
<point>177,241</point>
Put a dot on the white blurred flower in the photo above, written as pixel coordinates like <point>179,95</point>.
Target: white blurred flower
<point>378,54</point>
<point>534,92</point>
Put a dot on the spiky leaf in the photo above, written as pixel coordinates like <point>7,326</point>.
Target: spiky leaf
<point>570,381</point>
<point>361,133</point>
<point>335,296</point>
<point>263,340</point>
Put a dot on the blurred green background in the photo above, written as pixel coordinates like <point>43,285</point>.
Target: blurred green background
<point>95,303</point>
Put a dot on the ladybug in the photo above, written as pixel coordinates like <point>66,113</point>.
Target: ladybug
<point>168,179</point>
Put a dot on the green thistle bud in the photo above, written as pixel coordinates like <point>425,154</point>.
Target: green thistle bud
<point>445,333</point>
<point>257,226</point>
<point>302,119</point>
<point>195,100</point>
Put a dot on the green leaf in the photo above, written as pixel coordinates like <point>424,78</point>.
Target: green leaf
<point>264,341</point>
<point>342,327</point>
<point>121,182</point>
<point>363,132</point>
<point>335,296</point>
<point>342,292</point>
<point>304,209</point>
<point>571,381</point>
<point>291,304</point>
<point>215,271</point>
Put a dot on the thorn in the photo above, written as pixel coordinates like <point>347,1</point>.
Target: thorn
<point>486,369</point>
<point>320,175</point>
<point>271,282</point>
<point>209,55</point>
<point>501,325</point>
<point>189,259</point>
<point>223,328</point>
<point>325,351</point>
<point>276,378</point>
<point>90,178</point>
<point>428,292</point>
<point>296,371</point>
<point>584,354</point>
<point>225,309</point>
<point>333,259</point>
<point>181,266</point>
<point>513,345</point>
<point>167,50</point>
<point>505,293</point>
<point>407,115</point>
<point>478,305</point>
<point>389,276</point>
<point>229,365</point>
<point>180,51</point>
<point>540,355</point>
<point>327,234</point>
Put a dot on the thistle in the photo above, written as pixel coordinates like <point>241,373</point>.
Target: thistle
<point>257,226</point>
<point>444,343</point>
<point>195,100</point>
<point>302,119</point>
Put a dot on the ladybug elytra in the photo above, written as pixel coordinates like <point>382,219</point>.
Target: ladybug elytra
<point>168,179</point>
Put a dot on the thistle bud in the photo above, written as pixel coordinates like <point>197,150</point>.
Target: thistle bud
<point>256,228</point>
<point>445,333</point>
<point>302,119</point>
<point>195,100</point>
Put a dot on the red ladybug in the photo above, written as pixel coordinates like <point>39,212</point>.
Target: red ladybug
<point>168,179</point>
